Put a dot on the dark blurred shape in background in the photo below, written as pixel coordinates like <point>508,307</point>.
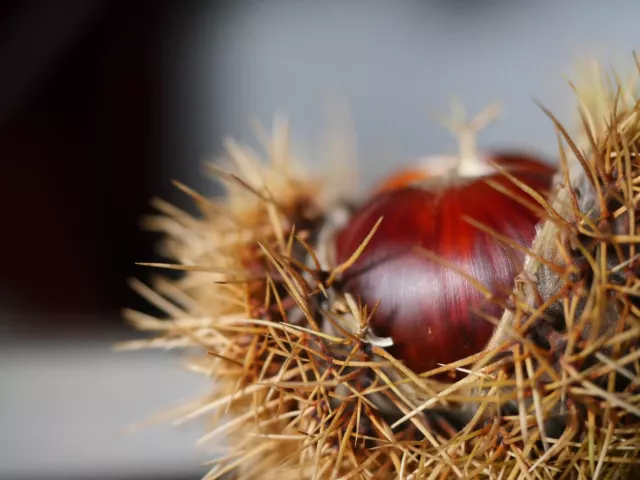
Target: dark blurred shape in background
<point>80,118</point>
<point>77,118</point>
<point>103,102</point>
<point>83,89</point>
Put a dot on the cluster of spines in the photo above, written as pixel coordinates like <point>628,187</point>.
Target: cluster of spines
<point>306,401</point>
<point>573,332</point>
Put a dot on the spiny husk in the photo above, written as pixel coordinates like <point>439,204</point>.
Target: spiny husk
<point>299,390</point>
<point>302,389</point>
<point>565,355</point>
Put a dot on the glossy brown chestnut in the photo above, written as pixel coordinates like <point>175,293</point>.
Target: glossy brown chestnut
<point>425,307</point>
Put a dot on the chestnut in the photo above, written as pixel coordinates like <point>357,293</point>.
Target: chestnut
<point>426,308</point>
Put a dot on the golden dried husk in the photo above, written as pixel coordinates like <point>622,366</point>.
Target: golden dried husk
<point>302,389</point>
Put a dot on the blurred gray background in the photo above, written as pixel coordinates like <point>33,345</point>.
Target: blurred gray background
<point>102,103</point>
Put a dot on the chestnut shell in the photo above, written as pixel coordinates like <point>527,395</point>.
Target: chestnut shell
<point>425,307</point>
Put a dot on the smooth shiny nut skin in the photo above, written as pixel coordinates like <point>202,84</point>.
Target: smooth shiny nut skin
<point>426,308</point>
